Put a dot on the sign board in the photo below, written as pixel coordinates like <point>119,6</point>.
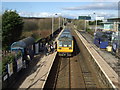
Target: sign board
<point>19,64</point>
<point>108,26</point>
<point>10,69</point>
<point>5,77</point>
<point>36,48</point>
<point>84,17</point>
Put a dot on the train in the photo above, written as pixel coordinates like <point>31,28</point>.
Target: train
<point>108,38</point>
<point>65,43</point>
<point>102,39</point>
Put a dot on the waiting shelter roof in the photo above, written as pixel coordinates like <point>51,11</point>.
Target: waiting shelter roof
<point>23,43</point>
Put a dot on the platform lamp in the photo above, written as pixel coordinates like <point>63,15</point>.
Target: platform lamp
<point>53,23</point>
<point>96,22</point>
<point>59,23</point>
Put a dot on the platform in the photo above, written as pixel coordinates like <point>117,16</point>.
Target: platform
<point>38,78</point>
<point>107,56</point>
<point>40,72</point>
<point>110,75</point>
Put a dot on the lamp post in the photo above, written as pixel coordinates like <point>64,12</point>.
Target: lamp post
<point>53,24</point>
<point>59,22</point>
<point>85,24</point>
<point>63,22</point>
<point>96,22</point>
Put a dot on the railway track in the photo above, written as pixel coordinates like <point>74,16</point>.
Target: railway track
<point>63,75</point>
<point>88,78</point>
<point>72,72</point>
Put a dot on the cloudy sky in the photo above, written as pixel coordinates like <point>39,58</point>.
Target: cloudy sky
<point>65,9</point>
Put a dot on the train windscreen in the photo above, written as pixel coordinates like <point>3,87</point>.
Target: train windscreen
<point>65,43</point>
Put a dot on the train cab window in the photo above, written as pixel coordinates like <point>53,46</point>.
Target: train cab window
<point>67,43</point>
<point>60,43</point>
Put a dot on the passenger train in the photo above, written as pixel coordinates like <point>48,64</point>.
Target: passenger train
<point>65,43</point>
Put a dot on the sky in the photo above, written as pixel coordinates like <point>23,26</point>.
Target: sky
<point>64,9</point>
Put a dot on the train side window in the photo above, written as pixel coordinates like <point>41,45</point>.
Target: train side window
<point>60,43</point>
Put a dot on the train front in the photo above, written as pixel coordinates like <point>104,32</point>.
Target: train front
<point>65,45</point>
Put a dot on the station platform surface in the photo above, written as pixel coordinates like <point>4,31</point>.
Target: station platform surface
<point>111,75</point>
<point>38,78</point>
<point>40,72</point>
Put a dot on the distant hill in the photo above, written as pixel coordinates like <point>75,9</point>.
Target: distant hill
<point>38,27</point>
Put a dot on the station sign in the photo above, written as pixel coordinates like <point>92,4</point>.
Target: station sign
<point>108,27</point>
<point>84,18</point>
<point>19,64</point>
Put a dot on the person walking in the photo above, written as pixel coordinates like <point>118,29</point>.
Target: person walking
<point>49,48</point>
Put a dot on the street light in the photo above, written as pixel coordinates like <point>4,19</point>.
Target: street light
<point>63,21</point>
<point>96,22</point>
<point>59,22</point>
<point>85,24</point>
<point>53,23</point>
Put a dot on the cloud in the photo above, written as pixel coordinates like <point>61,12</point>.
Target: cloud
<point>47,14</point>
<point>36,14</point>
<point>106,15</point>
<point>33,14</point>
<point>69,14</point>
<point>95,6</point>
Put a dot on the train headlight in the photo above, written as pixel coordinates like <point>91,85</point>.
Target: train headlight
<point>59,48</point>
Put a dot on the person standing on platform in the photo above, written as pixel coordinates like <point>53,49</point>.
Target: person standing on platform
<point>52,48</point>
<point>55,46</point>
<point>46,49</point>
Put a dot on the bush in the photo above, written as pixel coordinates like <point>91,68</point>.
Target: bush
<point>9,59</point>
<point>5,60</point>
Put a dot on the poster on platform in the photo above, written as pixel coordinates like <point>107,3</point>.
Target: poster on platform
<point>108,27</point>
<point>10,69</point>
<point>19,64</point>
<point>36,48</point>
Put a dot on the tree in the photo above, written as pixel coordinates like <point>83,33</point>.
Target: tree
<point>12,25</point>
